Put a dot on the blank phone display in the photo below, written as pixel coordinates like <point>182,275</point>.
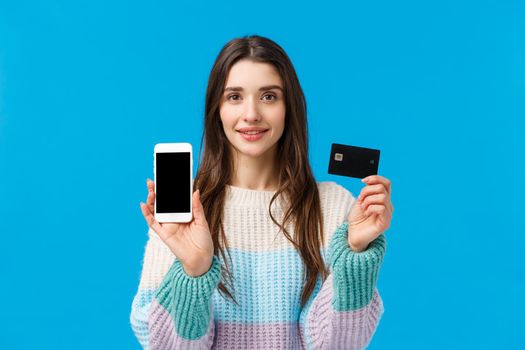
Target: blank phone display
<point>173,182</point>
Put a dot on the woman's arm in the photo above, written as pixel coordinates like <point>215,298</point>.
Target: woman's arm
<point>346,309</point>
<point>172,310</point>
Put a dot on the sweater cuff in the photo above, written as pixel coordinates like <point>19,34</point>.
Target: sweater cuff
<point>187,298</point>
<point>355,273</point>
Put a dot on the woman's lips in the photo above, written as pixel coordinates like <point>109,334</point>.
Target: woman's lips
<point>252,137</point>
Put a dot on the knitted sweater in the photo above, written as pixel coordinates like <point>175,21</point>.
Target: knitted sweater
<point>172,310</point>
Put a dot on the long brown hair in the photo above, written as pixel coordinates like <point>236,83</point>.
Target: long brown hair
<point>296,181</point>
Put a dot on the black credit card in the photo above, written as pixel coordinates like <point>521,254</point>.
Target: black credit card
<point>353,161</point>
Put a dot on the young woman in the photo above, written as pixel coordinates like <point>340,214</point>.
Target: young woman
<point>272,259</point>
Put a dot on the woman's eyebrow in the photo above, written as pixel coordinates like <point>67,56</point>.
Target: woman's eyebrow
<point>238,88</point>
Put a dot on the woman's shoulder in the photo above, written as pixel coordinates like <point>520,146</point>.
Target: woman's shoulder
<point>331,189</point>
<point>336,203</point>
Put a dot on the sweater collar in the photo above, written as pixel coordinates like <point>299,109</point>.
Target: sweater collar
<point>244,197</point>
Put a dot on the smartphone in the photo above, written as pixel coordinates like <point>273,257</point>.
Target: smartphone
<point>172,168</point>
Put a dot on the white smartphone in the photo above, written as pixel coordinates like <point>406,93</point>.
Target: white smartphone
<point>172,168</point>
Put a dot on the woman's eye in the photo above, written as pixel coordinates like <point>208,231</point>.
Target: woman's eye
<point>273,97</point>
<point>234,95</point>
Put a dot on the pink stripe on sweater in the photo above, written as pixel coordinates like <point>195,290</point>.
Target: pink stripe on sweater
<point>330,329</point>
<point>162,334</point>
<point>242,336</point>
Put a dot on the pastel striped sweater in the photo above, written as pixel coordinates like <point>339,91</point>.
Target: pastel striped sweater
<point>172,310</point>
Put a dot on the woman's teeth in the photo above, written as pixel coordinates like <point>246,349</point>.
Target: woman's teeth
<point>252,132</point>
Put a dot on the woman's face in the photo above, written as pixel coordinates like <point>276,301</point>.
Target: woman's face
<point>252,108</point>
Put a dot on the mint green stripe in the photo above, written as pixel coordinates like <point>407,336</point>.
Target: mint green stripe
<point>187,298</point>
<point>355,274</point>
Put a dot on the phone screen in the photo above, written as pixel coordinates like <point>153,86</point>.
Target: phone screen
<point>173,181</point>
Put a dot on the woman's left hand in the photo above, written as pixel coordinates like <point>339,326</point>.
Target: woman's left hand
<point>370,216</point>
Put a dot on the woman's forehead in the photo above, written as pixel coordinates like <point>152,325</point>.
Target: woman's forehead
<point>250,75</point>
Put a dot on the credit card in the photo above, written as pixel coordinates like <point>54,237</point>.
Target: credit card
<point>353,161</point>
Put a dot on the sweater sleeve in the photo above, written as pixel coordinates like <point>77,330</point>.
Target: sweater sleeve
<point>172,310</point>
<point>347,307</point>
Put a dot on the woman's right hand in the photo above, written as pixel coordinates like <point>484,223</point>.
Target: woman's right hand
<point>190,242</point>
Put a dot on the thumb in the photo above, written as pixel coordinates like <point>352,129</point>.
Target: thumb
<point>198,210</point>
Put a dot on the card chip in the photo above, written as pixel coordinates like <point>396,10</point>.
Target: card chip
<point>338,157</point>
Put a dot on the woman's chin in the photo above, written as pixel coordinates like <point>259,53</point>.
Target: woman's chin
<point>253,152</point>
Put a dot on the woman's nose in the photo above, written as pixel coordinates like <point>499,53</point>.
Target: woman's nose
<point>251,113</point>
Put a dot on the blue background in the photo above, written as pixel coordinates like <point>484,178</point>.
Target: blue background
<point>88,87</point>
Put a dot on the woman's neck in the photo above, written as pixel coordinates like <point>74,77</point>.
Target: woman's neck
<point>256,173</point>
